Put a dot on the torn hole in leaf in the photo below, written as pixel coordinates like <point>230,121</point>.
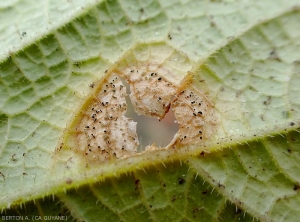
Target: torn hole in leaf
<point>153,95</point>
<point>101,132</point>
<point>150,92</point>
<point>152,131</point>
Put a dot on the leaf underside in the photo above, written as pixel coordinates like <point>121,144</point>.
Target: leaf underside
<point>245,61</point>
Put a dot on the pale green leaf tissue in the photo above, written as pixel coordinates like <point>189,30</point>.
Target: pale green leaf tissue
<point>245,57</point>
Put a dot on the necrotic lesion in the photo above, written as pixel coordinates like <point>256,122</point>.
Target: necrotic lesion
<point>104,131</point>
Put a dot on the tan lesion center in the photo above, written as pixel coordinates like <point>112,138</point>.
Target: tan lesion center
<point>101,132</point>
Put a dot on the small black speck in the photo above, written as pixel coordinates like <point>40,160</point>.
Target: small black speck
<point>238,211</point>
<point>181,180</point>
<point>292,124</point>
<point>159,79</point>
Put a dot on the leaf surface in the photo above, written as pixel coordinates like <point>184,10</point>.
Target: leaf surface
<point>245,61</point>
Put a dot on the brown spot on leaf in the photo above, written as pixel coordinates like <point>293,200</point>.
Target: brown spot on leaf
<point>101,127</point>
<point>151,94</point>
<point>101,132</point>
<point>195,116</point>
<point>69,181</point>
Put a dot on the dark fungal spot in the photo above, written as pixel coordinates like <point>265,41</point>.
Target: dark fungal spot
<point>174,198</point>
<point>181,181</point>
<point>238,211</point>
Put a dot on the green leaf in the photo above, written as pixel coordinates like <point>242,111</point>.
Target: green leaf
<point>245,61</point>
